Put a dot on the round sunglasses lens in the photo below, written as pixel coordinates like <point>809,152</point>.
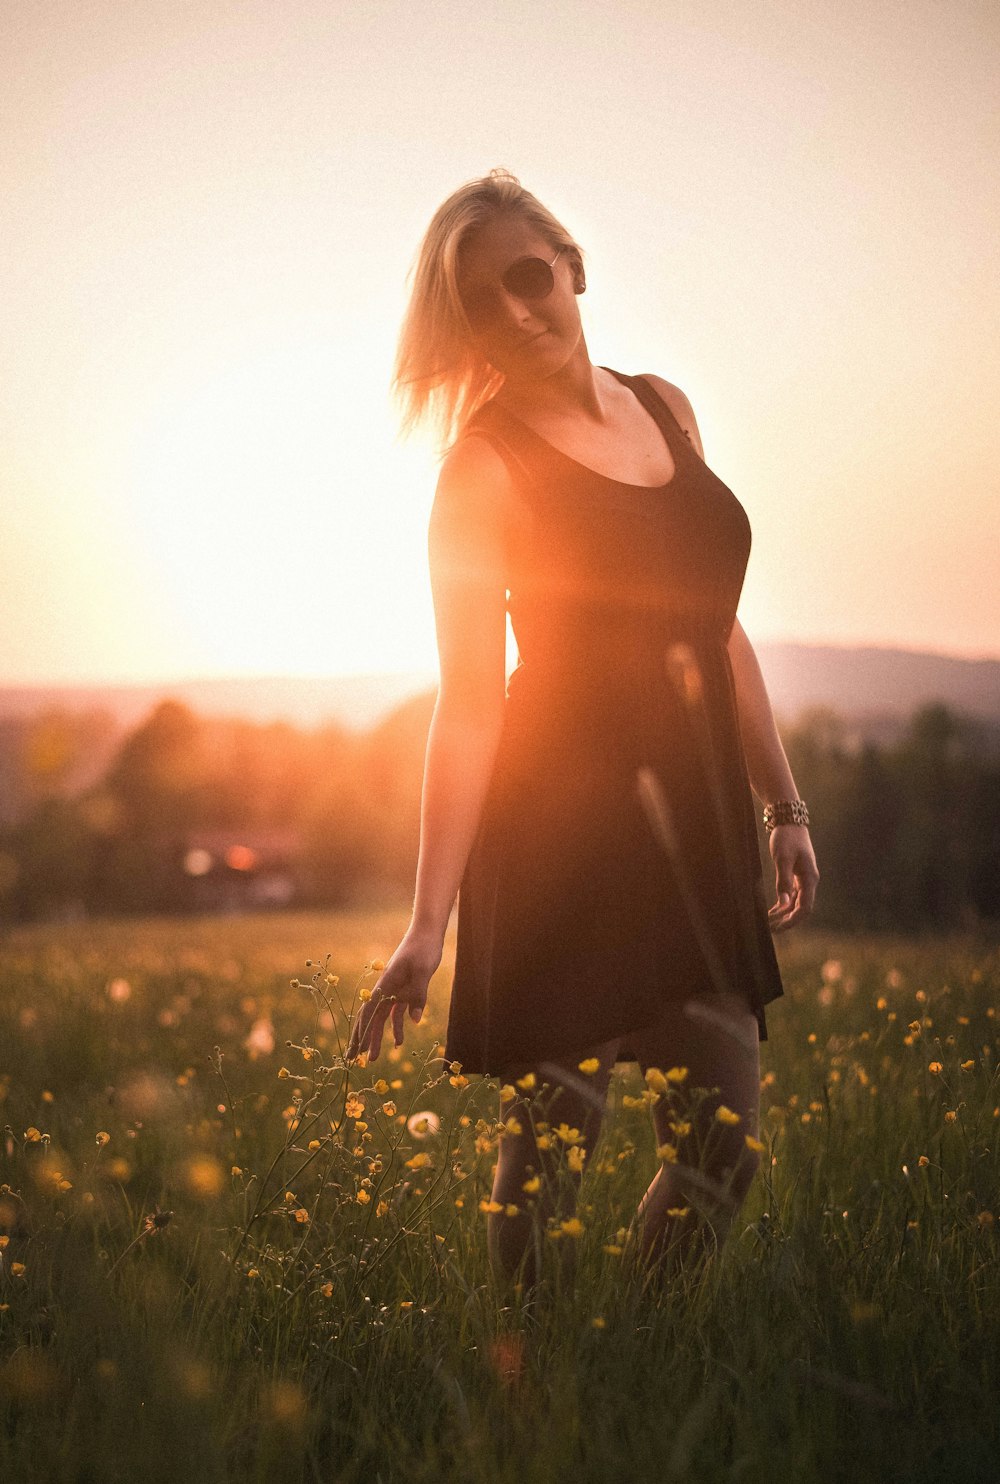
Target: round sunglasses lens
<point>529,278</point>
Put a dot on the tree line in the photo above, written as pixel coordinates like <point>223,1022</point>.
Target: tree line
<point>200,814</point>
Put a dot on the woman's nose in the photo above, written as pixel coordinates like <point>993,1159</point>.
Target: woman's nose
<point>511,310</point>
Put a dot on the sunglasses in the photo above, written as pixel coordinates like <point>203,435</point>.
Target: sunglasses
<point>525,278</point>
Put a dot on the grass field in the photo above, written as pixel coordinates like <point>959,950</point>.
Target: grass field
<point>227,1257</point>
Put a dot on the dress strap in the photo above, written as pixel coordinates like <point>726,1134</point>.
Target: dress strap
<point>482,424</point>
<point>654,403</point>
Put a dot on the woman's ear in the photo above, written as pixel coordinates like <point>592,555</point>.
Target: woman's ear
<point>579,277</point>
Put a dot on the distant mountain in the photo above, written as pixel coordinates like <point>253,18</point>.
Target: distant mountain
<point>876,682</point>
<point>869,686</point>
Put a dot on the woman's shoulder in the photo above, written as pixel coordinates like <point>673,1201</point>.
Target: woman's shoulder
<point>482,454</point>
<point>476,488</point>
<point>474,457</point>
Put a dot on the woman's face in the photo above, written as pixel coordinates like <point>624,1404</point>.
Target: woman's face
<point>521,338</point>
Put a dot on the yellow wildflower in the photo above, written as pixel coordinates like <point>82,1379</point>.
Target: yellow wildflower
<point>103,1138</point>
<point>527,1082</point>
<point>923,1161</point>
<point>753,1144</point>
<point>377,965</point>
<point>381,1209</point>
<point>355,1106</point>
<point>968,1065</point>
<point>935,1067</point>
<point>678,1212</point>
<point>362,1198</point>
<point>574,1159</point>
<point>589,1066</point>
<point>18,1269</point>
<point>950,1116</point>
<point>364,995</point>
<point>327,1290</point>
<point>532,1185</point>
<point>613,1249</point>
<point>511,1209</point>
<point>597,1322</point>
<point>567,1134</point>
<point>677,1074</point>
<point>667,1153</point>
<point>727,1116</point>
<point>419,1161</point>
<point>507,1092</point>
<point>494,1206</point>
<point>655,1080</point>
<point>32,1135</point>
<point>302,1215</point>
<point>572,1226</point>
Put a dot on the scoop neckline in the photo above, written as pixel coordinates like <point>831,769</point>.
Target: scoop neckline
<point>596,473</point>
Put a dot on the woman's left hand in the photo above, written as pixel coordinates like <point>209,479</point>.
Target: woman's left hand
<point>796,875</point>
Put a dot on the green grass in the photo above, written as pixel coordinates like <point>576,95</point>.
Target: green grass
<point>849,1329</point>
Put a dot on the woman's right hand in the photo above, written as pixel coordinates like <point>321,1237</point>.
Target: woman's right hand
<point>403,983</point>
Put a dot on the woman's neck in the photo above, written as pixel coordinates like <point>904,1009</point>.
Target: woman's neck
<point>576,390</point>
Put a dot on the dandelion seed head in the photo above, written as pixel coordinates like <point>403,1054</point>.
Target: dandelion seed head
<point>424,1124</point>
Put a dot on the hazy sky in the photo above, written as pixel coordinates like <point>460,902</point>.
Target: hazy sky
<point>209,211</point>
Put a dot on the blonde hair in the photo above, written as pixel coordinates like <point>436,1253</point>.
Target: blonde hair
<point>439,377</point>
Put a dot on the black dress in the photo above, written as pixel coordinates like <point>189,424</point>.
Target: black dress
<point>615,867</point>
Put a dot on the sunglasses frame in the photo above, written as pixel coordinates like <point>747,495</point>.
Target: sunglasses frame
<point>479,319</point>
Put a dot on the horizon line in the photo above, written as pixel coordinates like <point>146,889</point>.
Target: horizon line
<point>222,677</point>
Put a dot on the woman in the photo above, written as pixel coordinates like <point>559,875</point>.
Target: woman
<point>595,817</point>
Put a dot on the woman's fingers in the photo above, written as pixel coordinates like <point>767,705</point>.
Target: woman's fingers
<point>796,877</point>
<point>796,885</point>
<point>368,1024</point>
<point>403,986</point>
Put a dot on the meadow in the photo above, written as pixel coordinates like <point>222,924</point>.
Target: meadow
<point>227,1256</point>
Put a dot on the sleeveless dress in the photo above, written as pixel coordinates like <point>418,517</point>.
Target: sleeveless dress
<point>615,868</point>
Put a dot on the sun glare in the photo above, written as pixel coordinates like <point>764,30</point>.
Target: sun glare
<point>277,516</point>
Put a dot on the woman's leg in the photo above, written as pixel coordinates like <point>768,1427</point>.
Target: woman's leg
<point>516,1242</point>
<point>707,1167</point>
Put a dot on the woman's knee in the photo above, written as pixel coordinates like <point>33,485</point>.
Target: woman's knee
<point>555,1118</point>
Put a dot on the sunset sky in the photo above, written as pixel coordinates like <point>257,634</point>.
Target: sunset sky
<point>210,209</point>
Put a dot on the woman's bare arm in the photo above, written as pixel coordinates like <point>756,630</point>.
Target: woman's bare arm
<point>468,542</point>
<point>770,775</point>
<point>796,873</point>
<point>467,547</point>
